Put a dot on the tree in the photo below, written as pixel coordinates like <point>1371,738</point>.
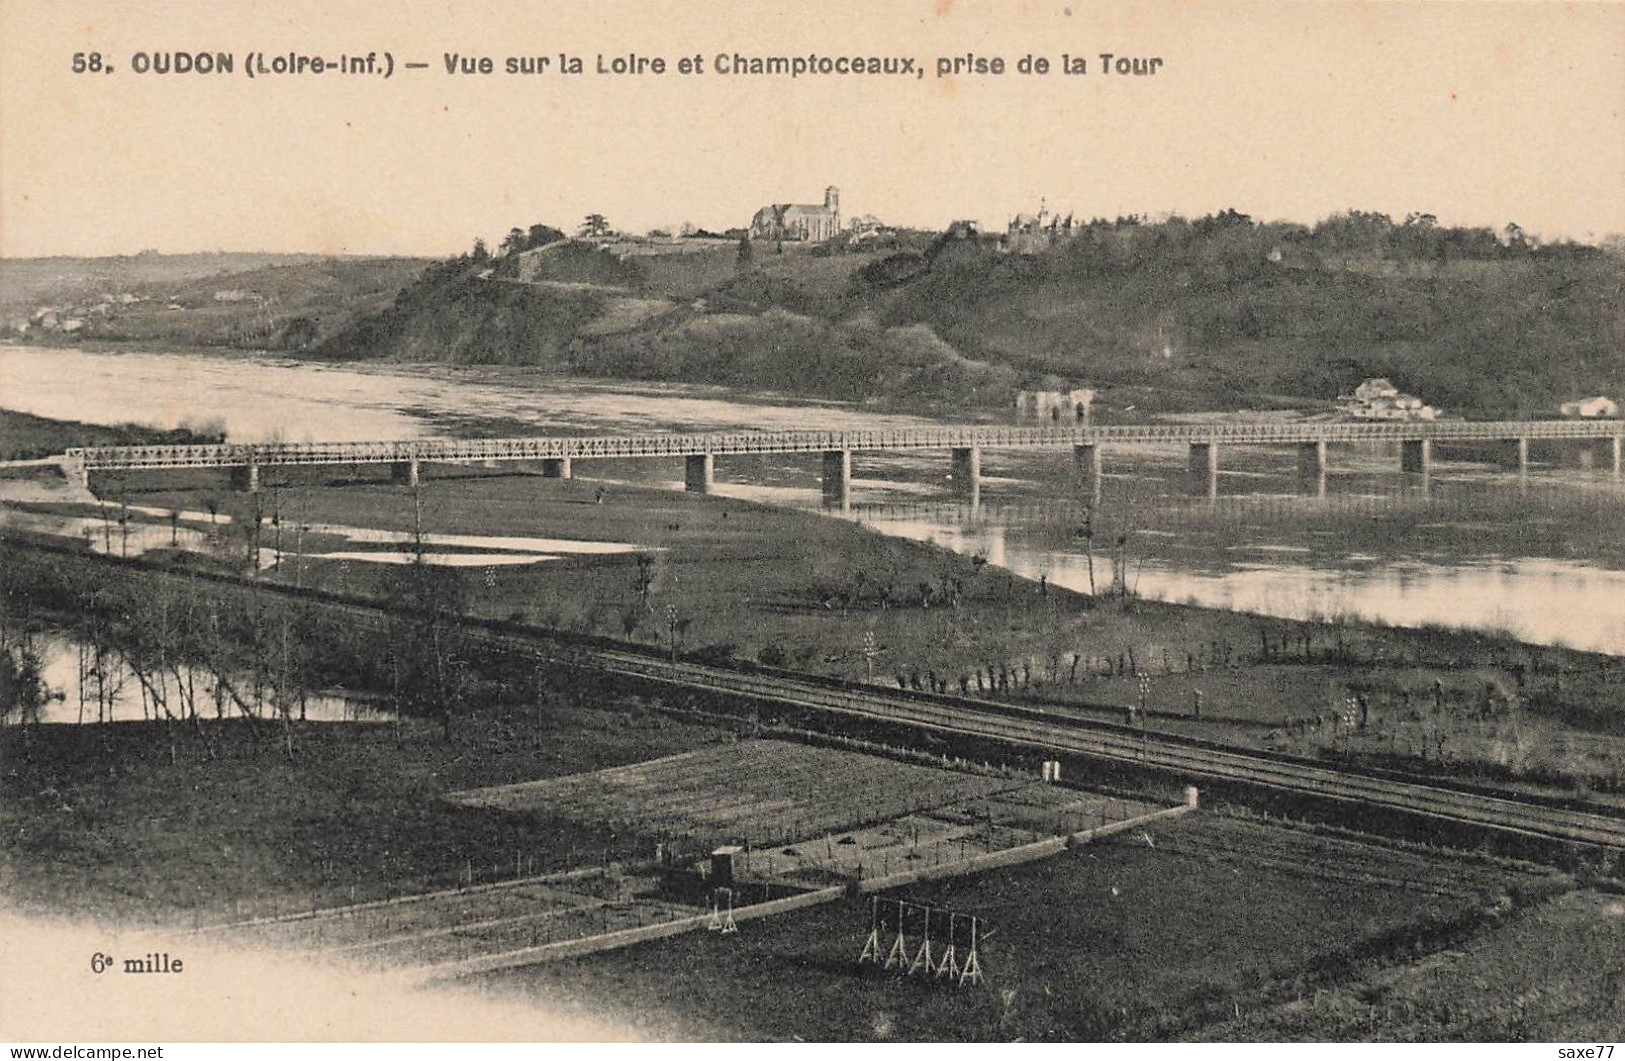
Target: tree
<point>594,225</point>
<point>429,663</point>
<point>481,253</point>
<point>22,686</point>
<point>541,235</point>
<point>514,241</point>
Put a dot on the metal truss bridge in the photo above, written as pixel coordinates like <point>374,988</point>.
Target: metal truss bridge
<point>555,453</point>
<point>107,458</point>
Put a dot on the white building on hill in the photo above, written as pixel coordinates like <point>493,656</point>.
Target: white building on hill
<point>1378,399</point>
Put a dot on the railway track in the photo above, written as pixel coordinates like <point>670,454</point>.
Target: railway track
<point>1042,730</point>
<point>1019,725</point>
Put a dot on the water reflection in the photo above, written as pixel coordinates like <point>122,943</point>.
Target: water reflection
<point>85,690</point>
<point>117,533</point>
<point>378,556</point>
<point>1474,546</point>
<point>1545,601</point>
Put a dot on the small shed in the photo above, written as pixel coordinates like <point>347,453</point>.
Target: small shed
<point>723,864</point>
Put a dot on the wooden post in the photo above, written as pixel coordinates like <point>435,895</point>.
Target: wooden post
<point>1204,470</point>
<point>1086,470</point>
<point>837,480</point>
<point>967,475</point>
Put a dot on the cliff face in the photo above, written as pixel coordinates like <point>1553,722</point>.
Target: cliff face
<point>470,321</point>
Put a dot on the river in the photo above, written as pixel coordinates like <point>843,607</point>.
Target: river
<point>1542,559</point>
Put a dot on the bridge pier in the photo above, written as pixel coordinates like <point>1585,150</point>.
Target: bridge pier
<point>967,474</point>
<point>246,477</point>
<point>1614,445</point>
<point>1204,470</point>
<point>838,479</point>
<point>405,472</point>
<point>1520,453</point>
<point>556,468</point>
<point>699,472</point>
<point>1416,456</point>
<point>1312,468</point>
<point>1086,473</point>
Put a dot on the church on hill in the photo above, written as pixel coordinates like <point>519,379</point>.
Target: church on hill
<point>798,221</point>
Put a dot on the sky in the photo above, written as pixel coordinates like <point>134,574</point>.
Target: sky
<point>1479,113</point>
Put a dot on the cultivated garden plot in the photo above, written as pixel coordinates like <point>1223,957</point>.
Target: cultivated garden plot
<point>444,927</point>
<point>1155,934</point>
<point>760,792</point>
<point>940,839</point>
<point>365,925</point>
<point>456,941</point>
<point>850,818</point>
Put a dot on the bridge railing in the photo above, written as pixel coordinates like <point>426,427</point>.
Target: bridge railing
<point>982,436</point>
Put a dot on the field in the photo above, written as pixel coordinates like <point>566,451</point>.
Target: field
<point>794,589</point>
<point>115,821</point>
<point>1551,974</point>
<point>453,926</point>
<point>755,792</point>
<point>1154,936</point>
<point>813,815</point>
<point>869,818</point>
<point>1146,937</point>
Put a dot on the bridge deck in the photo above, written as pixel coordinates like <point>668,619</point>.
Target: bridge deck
<point>949,437</point>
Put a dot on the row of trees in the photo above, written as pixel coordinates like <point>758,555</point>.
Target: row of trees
<point>194,650</point>
<point>537,235</point>
<point>186,651</point>
<point>1365,233</point>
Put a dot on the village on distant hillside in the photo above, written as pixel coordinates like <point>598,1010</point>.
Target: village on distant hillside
<point>247,313</point>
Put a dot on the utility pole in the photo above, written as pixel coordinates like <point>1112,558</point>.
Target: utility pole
<point>1145,695</point>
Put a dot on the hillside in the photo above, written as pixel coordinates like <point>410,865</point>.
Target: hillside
<point>32,280</point>
<point>248,301</point>
<point>1217,313</point>
<point>1244,312</point>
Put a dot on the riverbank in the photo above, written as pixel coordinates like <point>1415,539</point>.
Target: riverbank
<point>724,578</point>
<point>126,822</point>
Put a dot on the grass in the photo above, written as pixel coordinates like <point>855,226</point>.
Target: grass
<point>102,821</point>
<point>1122,940</point>
<point>752,791</point>
<point>794,589</point>
<point>1551,974</point>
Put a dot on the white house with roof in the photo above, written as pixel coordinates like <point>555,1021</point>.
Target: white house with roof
<point>1595,408</point>
<point>1378,399</point>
